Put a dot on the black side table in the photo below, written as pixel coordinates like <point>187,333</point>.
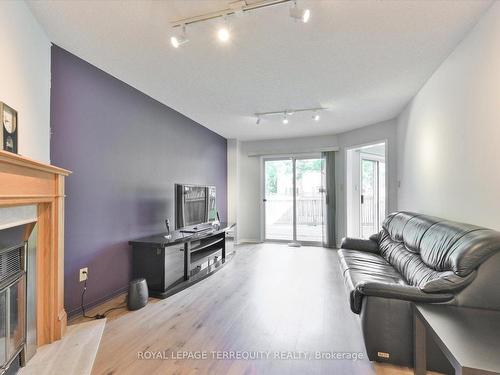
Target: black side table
<point>469,338</point>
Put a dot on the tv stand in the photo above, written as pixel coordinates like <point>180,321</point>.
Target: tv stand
<point>197,229</point>
<point>168,269</point>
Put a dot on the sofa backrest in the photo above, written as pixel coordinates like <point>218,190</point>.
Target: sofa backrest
<point>425,248</point>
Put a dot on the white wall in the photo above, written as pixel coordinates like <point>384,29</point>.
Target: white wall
<point>249,165</point>
<point>233,180</point>
<point>25,77</point>
<point>249,197</point>
<point>449,135</point>
<point>297,145</point>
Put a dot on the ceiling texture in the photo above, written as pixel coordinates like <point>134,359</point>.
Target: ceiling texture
<point>364,60</point>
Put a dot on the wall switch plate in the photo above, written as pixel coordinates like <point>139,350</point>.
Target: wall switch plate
<point>84,272</point>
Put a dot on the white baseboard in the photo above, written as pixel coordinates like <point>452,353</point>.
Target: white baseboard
<point>243,241</point>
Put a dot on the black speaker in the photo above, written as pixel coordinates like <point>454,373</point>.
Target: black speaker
<point>137,294</point>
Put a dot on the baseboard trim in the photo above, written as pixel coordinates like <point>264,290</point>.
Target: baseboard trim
<point>243,241</point>
<point>75,313</point>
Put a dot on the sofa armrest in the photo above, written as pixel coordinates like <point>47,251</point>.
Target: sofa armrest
<point>370,246</point>
<point>402,292</point>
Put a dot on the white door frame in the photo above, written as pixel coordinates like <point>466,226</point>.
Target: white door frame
<point>263,160</point>
<point>378,160</point>
<point>346,177</point>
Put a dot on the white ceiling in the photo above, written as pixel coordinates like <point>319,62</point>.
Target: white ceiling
<point>363,59</point>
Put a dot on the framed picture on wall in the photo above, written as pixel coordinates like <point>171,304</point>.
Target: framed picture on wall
<point>8,128</point>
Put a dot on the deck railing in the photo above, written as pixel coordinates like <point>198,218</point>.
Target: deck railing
<point>368,211</point>
<point>309,210</point>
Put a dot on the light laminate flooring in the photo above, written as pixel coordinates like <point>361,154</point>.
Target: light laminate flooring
<point>270,298</point>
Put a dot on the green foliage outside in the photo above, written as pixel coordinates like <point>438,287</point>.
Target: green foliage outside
<point>285,166</point>
<point>271,179</point>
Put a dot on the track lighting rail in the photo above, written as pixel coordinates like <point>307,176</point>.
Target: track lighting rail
<point>235,7</point>
<point>290,111</point>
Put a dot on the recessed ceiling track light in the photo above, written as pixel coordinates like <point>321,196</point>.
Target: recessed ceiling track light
<point>178,40</point>
<point>223,32</point>
<point>299,13</point>
<point>285,114</point>
<point>235,7</point>
<point>285,118</point>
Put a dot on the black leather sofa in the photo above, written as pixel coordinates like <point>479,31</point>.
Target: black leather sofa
<point>417,258</point>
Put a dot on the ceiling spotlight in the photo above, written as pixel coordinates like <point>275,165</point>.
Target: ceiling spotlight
<point>299,13</point>
<point>223,32</point>
<point>178,40</point>
<point>306,15</point>
<point>285,119</point>
<point>316,117</point>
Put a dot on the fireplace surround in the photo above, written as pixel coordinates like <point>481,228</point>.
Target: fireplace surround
<point>26,183</point>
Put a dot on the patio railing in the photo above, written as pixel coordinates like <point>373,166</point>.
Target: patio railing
<point>309,210</point>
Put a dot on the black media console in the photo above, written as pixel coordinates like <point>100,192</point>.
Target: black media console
<point>170,265</point>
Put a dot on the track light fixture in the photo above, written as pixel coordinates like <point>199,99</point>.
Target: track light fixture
<point>235,7</point>
<point>299,13</point>
<point>179,40</point>
<point>285,114</point>
<point>223,32</point>
<point>285,118</point>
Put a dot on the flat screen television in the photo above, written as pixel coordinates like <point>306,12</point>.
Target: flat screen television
<point>194,205</point>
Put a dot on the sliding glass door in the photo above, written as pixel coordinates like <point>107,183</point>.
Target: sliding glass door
<point>278,199</point>
<point>309,197</point>
<point>372,195</point>
<point>294,200</point>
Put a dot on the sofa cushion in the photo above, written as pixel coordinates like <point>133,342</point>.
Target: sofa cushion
<point>395,223</point>
<point>416,272</point>
<point>415,230</point>
<point>368,266</point>
<point>370,245</point>
<point>408,228</point>
<point>359,268</point>
<point>438,241</point>
<point>435,254</point>
<point>369,274</point>
<point>461,248</point>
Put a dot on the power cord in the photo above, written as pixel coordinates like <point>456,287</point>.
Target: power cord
<point>96,316</point>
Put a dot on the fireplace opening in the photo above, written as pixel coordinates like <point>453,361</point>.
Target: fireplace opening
<point>15,247</point>
<point>12,304</point>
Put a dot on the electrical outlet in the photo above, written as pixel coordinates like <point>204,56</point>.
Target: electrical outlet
<point>84,272</point>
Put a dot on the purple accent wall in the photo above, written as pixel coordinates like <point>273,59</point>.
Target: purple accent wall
<point>126,151</point>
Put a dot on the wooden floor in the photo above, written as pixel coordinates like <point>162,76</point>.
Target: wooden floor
<point>269,299</point>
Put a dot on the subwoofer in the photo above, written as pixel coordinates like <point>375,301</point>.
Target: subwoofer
<point>137,294</point>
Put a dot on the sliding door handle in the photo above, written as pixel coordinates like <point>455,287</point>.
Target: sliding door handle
<point>362,199</point>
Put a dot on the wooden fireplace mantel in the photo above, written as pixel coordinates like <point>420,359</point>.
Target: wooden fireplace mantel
<point>24,181</point>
